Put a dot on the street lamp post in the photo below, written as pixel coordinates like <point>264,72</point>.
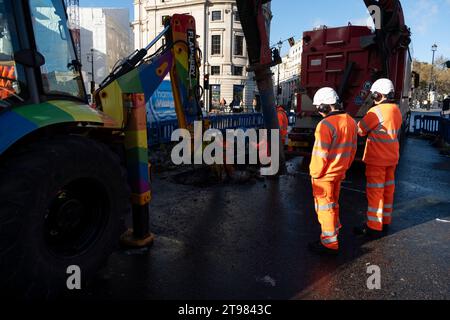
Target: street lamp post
<point>205,54</point>
<point>280,46</point>
<point>434,49</point>
<point>91,58</point>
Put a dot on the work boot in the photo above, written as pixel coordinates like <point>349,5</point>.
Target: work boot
<point>319,248</point>
<point>365,231</point>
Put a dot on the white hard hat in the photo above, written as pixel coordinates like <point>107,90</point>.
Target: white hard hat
<point>326,96</point>
<point>383,86</point>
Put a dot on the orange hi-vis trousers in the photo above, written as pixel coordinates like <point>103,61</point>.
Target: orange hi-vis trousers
<point>326,198</point>
<point>380,195</point>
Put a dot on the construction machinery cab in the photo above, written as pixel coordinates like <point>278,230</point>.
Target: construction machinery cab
<point>37,55</point>
<point>8,79</point>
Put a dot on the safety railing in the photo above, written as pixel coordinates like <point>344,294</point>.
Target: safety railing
<point>426,124</point>
<point>236,121</point>
<point>160,132</point>
<point>432,125</point>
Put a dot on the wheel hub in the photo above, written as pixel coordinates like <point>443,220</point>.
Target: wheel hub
<point>75,218</point>
<point>69,215</point>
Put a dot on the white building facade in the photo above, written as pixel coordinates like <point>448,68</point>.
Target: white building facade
<point>289,75</point>
<point>221,40</point>
<point>107,31</point>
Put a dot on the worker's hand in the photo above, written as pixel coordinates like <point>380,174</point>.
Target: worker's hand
<point>361,133</point>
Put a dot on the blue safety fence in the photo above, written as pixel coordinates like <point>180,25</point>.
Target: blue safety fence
<point>160,131</point>
<point>426,124</point>
<point>236,121</point>
<point>432,125</point>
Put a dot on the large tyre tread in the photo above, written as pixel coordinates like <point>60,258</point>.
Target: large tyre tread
<point>20,176</point>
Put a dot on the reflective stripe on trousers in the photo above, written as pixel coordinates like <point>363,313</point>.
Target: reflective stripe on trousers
<point>326,207</point>
<point>381,185</point>
<point>380,196</point>
<point>328,156</point>
<point>326,197</point>
<point>375,219</point>
<point>330,241</point>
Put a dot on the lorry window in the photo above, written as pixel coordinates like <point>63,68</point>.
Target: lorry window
<point>60,74</point>
<point>9,80</point>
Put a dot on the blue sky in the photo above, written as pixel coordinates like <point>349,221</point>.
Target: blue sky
<point>429,20</point>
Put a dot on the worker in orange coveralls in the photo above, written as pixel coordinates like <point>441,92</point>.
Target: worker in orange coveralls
<point>382,126</point>
<point>6,76</point>
<point>333,154</point>
<point>284,123</point>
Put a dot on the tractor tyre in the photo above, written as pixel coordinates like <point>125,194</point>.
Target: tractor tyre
<point>62,206</point>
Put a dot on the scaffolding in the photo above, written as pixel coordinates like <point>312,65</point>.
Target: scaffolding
<point>73,12</point>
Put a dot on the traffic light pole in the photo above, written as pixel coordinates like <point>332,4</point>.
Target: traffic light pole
<point>92,72</point>
<point>206,98</point>
<point>280,46</point>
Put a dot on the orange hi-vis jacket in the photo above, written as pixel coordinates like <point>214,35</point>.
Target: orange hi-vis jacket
<point>284,123</point>
<point>8,73</point>
<point>382,125</point>
<point>335,146</point>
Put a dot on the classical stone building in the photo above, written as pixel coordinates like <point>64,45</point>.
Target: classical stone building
<point>107,32</point>
<point>221,40</point>
<point>289,75</point>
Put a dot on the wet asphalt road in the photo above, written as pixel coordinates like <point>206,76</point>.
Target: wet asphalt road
<point>249,241</point>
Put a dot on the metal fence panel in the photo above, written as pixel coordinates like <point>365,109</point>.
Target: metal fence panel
<point>426,124</point>
<point>161,131</point>
<point>432,125</point>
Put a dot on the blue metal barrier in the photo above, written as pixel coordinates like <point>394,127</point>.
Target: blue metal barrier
<point>160,132</point>
<point>426,124</point>
<point>433,125</point>
<point>236,121</point>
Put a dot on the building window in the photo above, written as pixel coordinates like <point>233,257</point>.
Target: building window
<point>216,15</point>
<point>216,44</point>
<point>238,71</point>
<point>239,45</point>
<point>215,70</point>
<point>237,18</point>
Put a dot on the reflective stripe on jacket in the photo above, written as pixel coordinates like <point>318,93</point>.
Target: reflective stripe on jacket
<point>382,125</point>
<point>335,146</point>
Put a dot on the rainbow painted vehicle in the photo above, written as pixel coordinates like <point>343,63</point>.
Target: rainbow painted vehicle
<point>68,171</point>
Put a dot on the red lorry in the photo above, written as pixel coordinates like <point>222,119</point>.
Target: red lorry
<point>350,59</point>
